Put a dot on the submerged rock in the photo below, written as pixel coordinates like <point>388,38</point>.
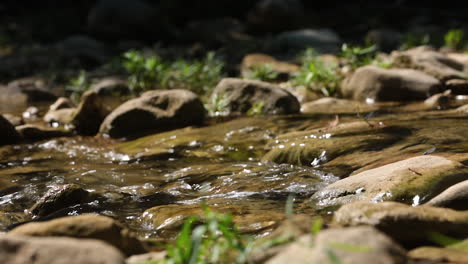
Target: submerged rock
<point>8,133</point>
<point>85,226</point>
<point>48,250</point>
<point>454,197</point>
<point>364,245</point>
<point>406,224</point>
<point>158,110</point>
<point>97,103</point>
<point>244,95</point>
<point>411,180</point>
<point>376,84</point>
<point>59,197</point>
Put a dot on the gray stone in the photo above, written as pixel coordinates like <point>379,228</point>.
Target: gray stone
<point>242,95</point>
<point>377,84</point>
<point>27,250</point>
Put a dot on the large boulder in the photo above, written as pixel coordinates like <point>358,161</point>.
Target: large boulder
<point>364,245</point>
<point>275,15</point>
<point>120,19</point>
<point>292,42</point>
<point>159,110</point>
<point>431,62</point>
<point>48,250</point>
<point>243,95</point>
<point>409,225</point>
<point>377,84</point>
<point>8,133</point>
<point>85,226</point>
<point>411,180</point>
<point>97,103</point>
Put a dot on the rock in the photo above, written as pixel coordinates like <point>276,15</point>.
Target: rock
<point>47,250</point>
<point>158,110</point>
<point>59,197</point>
<point>376,84</point>
<point>275,15</point>
<point>348,245</point>
<point>97,103</point>
<point>436,255</point>
<point>14,120</point>
<point>292,42</point>
<point>412,180</point>
<point>331,105</point>
<point>243,95</point>
<point>439,100</point>
<point>463,109</point>
<point>319,146</point>
<point>85,50</point>
<point>460,57</point>
<point>454,197</point>
<point>39,132</point>
<point>122,19</point>
<point>85,226</point>
<point>61,103</point>
<point>8,133</point>
<point>386,40</point>
<point>457,86</point>
<point>429,61</point>
<point>399,221</point>
<point>146,258</point>
<point>34,90</point>
<point>283,69</point>
<point>61,116</point>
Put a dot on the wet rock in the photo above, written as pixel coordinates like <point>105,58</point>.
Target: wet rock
<point>145,258</point>
<point>292,42</point>
<point>61,116</point>
<point>97,103</point>
<point>61,103</point>
<point>170,218</point>
<point>283,69</point>
<point>59,197</point>
<point>431,62</point>
<point>85,226</point>
<point>386,40</point>
<point>38,132</point>
<point>275,15</point>
<point>457,86</point>
<point>8,133</point>
<point>122,19</point>
<point>243,95</point>
<point>463,109</point>
<point>370,246</point>
<point>454,197</point>
<point>9,218</point>
<point>24,250</point>
<point>318,146</point>
<point>439,100</point>
<point>14,120</point>
<point>376,84</point>
<point>400,221</point>
<point>436,255</point>
<point>159,110</point>
<point>411,180</point>
<point>331,105</point>
<point>82,50</point>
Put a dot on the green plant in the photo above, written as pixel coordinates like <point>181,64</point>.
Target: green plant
<point>146,73</point>
<point>411,40</point>
<point>256,109</point>
<point>218,105</point>
<point>262,73</point>
<point>454,38</point>
<point>318,76</point>
<point>216,240</point>
<point>78,85</point>
<point>356,56</point>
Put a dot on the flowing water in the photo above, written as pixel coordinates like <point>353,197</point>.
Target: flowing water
<point>152,183</point>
